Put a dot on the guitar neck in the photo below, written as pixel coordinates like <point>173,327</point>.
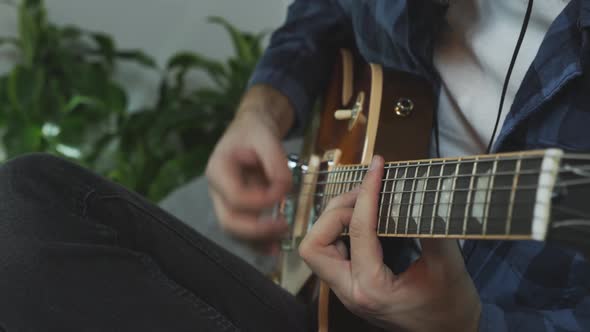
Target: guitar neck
<point>501,196</point>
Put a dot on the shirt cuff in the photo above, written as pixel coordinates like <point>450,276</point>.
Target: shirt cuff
<point>294,92</point>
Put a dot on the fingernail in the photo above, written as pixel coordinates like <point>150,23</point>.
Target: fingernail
<point>374,163</point>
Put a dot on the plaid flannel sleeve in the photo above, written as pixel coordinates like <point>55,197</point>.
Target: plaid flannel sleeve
<point>300,55</point>
<point>560,304</point>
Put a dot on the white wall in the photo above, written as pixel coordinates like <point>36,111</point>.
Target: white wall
<point>160,27</point>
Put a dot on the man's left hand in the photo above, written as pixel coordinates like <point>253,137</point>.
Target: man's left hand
<point>434,294</point>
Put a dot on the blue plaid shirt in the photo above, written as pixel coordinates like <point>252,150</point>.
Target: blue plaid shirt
<point>524,286</point>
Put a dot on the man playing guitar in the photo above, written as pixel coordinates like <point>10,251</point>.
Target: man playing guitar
<point>79,253</point>
<point>465,58</point>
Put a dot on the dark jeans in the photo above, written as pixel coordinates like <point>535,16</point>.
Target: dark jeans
<point>79,253</point>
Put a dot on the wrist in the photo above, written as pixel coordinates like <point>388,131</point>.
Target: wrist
<point>268,105</point>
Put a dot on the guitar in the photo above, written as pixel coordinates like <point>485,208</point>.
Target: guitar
<point>530,195</point>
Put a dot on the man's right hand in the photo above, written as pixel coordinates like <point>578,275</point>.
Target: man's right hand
<point>248,172</point>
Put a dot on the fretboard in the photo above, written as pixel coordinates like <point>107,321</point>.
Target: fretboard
<point>491,196</point>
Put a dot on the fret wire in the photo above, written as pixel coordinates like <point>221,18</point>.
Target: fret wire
<point>381,207</point>
<point>419,223</point>
<point>352,178</point>
<point>360,176</point>
<point>320,192</point>
<point>488,198</point>
<point>512,194</point>
<point>466,159</point>
<point>330,192</point>
<point>340,177</point>
<point>583,156</point>
<point>393,184</point>
<point>338,182</point>
<point>412,193</point>
<point>435,207</point>
<point>469,192</point>
<point>342,181</point>
<point>348,181</point>
<point>344,176</point>
<point>451,198</point>
<point>401,197</point>
<point>346,184</point>
<point>571,183</point>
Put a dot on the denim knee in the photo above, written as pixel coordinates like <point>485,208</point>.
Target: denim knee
<point>42,179</point>
<point>43,196</point>
<point>29,165</point>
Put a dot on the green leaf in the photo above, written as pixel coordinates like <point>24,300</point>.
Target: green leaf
<point>242,44</point>
<point>33,3</point>
<point>183,61</point>
<point>78,100</point>
<point>21,137</point>
<point>70,32</point>
<point>106,47</point>
<point>25,86</point>
<point>31,26</point>
<point>3,101</point>
<point>92,80</point>
<point>28,32</point>
<point>115,98</point>
<point>137,56</point>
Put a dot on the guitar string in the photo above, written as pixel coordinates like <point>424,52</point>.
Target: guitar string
<point>461,161</point>
<point>522,187</point>
<point>564,168</point>
<point>426,162</point>
<point>519,202</point>
<point>531,187</point>
<point>451,176</point>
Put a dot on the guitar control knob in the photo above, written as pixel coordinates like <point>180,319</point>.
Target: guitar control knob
<point>355,114</point>
<point>343,114</point>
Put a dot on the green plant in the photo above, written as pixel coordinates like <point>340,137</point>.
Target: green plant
<point>61,98</point>
<point>166,145</point>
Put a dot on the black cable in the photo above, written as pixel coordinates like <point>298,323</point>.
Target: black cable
<point>527,16</point>
<point>436,133</point>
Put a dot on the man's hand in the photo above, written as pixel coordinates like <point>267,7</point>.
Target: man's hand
<point>434,294</point>
<point>248,171</point>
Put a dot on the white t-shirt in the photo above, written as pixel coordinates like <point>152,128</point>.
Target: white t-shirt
<point>472,56</point>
